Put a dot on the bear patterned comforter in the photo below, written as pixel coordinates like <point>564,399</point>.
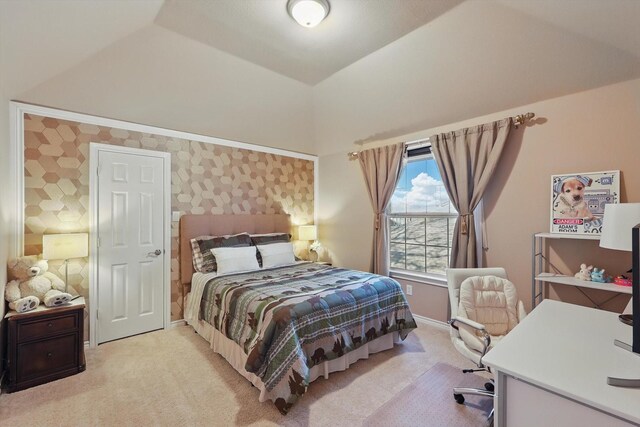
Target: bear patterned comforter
<point>288,319</point>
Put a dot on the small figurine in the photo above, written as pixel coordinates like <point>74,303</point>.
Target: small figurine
<point>622,280</point>
<point>597,275</point>
<point>584,273</point>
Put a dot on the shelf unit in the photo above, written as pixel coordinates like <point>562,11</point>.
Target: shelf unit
<point>539,278</point>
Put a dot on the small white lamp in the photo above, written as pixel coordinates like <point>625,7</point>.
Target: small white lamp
<point>65,246</point>
<point>617,223</point>
<point>309,233</point>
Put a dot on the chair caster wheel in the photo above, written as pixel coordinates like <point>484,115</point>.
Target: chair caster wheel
<point>459,398</point>
<point>489,386</point>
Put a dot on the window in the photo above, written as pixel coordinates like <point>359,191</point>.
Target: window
<point>421,217</point>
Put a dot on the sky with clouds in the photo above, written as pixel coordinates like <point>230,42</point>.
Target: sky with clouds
<point>420,189</point>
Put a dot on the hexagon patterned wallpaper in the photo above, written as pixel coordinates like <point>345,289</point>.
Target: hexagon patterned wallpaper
<point>205,178</point>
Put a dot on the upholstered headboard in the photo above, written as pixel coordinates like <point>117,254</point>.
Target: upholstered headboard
<point>219,225</point>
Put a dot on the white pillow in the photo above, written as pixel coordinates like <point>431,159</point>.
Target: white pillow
<point>276,254</point>
<point>233,260</point>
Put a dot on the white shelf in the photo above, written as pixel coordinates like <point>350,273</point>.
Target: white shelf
<point>572,281</point>
<point>568,236</point>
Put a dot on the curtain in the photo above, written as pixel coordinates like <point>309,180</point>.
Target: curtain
<point>467,159</point>
<point>381,168</point>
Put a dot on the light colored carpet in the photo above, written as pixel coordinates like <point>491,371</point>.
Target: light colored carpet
<point>173,378</point>
<point>424,399</point>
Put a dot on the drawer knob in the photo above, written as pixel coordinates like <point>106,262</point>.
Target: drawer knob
<point>50,324</point>
<point>49,354</point>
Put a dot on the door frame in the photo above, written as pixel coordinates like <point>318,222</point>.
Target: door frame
<point>94,150</point>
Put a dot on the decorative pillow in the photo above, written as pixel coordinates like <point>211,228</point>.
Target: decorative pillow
<point>233,260</point>
<point>276,254</point>
<point>268,239</point>
<point>203,259</point>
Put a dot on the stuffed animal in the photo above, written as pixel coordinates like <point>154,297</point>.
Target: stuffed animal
<point>597,275</point>
<point>33,284</point>
<point>584,273</point>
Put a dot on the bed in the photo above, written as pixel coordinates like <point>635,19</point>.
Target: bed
<point>283,327</point>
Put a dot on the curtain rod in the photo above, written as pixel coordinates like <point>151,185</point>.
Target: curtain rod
<point>518,120</point>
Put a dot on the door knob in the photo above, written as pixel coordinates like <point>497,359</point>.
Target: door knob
<point>157,252</point>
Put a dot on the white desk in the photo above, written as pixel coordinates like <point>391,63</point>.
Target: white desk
<point>552,370</point>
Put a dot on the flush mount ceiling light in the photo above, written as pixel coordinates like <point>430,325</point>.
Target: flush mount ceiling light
<point>308,13</point>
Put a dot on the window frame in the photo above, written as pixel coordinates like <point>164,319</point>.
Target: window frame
<point>438,278</point>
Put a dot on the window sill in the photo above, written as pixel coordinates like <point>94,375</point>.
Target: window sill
<point>429,279</point>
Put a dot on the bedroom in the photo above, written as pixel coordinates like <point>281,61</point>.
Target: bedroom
<point>235,75</point>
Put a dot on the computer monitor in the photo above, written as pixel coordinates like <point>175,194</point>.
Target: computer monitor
<point>635,318</point>
<point>635,299</point>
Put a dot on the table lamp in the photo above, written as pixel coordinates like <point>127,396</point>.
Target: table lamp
<point>620,232</point>
<point>309,233</point>
<point>617,223</point>
<point>65,246</point>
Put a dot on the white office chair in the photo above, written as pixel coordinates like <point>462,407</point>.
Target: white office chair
<point>484,308</point>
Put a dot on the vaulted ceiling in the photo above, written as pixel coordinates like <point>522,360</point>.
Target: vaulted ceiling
<point>412,48</point>
<point>261,31</point>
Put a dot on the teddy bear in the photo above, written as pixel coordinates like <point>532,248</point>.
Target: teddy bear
<point>584,273</point>
<point>32,284</point>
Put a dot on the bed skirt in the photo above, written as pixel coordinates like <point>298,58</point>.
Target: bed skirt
<point>236,357</point>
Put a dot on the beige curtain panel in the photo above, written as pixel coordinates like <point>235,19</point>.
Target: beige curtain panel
<point>381,168</point>
<point>467,159</point>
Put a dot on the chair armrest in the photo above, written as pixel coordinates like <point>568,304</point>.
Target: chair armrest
<point>468,322</point>
<point>521,312</point>
<point>486,338</point>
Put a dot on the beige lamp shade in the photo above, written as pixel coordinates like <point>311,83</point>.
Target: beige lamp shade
<point>65,246</point>
<point>307,232</point>
<point>617,223</point>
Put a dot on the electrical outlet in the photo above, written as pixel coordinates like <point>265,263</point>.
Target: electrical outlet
<point>409,290</point>
<point>175,216</point>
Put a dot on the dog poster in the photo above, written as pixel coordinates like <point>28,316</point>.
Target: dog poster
<point>578,199</point>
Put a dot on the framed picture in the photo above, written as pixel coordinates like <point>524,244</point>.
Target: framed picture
<point>578,199</point>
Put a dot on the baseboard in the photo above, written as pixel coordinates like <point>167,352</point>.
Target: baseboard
<point>431,322</point>
<point>173,324</point>
<point>176,323</point>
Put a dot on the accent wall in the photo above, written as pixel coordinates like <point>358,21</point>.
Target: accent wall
<point>205,178</point>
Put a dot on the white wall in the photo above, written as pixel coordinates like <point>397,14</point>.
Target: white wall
<point>345,214</point>
<point>159,78</point>
<point>41,39</point>
<point>6,208</point>
<point>6,205</point>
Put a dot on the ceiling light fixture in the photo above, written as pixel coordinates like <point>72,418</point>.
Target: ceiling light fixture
<point>308,13</point>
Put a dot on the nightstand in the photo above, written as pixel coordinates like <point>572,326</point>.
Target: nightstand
<point>44,344</point>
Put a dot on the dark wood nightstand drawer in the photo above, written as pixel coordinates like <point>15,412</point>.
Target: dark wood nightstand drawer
<point>44,345</point>
<point>40,358</point>
<point>46,327</point>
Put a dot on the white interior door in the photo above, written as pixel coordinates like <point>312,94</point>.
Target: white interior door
<point>130,230</point>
